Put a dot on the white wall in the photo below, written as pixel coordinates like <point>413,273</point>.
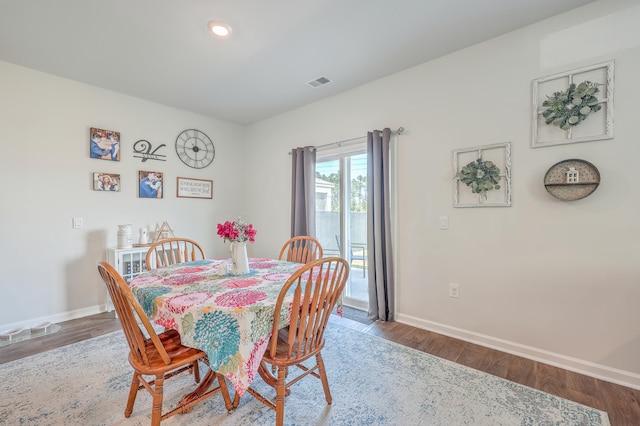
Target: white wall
<point>552,280</point>
<point>48,269</point>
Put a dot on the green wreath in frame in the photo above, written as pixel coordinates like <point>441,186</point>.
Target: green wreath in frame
<point>481,176</point>
<point>572,106</point>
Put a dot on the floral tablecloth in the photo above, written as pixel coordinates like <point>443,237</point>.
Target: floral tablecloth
<point>227,316</point>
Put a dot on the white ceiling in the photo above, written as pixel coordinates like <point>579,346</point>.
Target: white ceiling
<point>160,50</point>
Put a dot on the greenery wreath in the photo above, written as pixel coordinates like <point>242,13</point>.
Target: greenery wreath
<point>571,107</point>
<point>481,176</point>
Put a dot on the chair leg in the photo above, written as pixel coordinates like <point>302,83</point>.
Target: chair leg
<point>280,394</point>
<point>156,410</point>
<point>273,370</point>
<point>196,371</point>
<point>133,392</point>
<point>236,400</point>
<point>323,378</point>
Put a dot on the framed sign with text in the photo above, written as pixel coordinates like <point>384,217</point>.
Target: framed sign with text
<point>194,188</point>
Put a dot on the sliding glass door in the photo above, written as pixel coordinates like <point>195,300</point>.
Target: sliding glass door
<point>341,216</point>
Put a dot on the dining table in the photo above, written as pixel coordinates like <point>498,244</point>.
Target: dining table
<point>229,317</point>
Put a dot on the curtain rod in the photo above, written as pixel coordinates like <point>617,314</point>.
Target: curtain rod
<point>346,141</point>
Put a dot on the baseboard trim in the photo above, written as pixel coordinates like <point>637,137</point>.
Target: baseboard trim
<point>598,371</point>
<point>64,316</point>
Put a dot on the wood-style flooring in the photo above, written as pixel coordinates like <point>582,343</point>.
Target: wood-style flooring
<point>621,403</point>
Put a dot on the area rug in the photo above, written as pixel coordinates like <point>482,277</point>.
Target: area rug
<point>373,382</point>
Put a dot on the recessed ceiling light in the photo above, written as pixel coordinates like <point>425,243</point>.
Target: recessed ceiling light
<point>220,29</point>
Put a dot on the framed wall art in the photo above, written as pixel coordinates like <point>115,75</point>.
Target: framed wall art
<point>482,176</point>
<point>145,150</point>
<point>194,188</point>
<point>150,184</point>
<point>574,106</point>
<point>106,182</point>
<point>104,144</point>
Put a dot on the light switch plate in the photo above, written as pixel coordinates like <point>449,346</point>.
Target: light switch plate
<point>444,222</point>
<point>77,223</point>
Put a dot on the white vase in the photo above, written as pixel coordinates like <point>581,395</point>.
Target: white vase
<point>239,258</point>
<point>125,239</point>
<point>143,236</point>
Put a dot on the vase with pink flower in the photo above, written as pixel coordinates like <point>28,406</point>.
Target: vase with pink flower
<point>238,233</point>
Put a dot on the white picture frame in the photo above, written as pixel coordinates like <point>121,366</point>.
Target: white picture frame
<point>500,155</point>
<point>597,126</point>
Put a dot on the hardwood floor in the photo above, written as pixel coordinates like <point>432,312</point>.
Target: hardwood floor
<point>621,403</point>
<point>70,332</point>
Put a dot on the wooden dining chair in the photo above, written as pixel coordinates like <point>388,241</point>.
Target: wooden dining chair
<point>158,355</point>
<point>173,250</point>
<point>301,249</point>
<point>315,288</point>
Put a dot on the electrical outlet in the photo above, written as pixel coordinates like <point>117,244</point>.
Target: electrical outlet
<point>454,290</point>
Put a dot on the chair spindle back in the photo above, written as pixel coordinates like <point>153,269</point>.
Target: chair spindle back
<point>301,249</point>
<point>173,250</point>
<point>315,288</point>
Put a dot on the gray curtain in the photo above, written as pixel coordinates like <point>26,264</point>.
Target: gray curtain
<point>379,254</point>
<point>303,192</point>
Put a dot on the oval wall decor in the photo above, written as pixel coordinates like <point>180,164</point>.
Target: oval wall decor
<point>571,180</point>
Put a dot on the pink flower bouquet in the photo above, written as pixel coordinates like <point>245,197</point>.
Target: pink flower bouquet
<point>237,231</point>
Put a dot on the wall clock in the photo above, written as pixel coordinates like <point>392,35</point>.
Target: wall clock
<point>195,149</point>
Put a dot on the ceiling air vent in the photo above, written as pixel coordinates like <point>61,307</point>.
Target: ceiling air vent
<point>321,81</point>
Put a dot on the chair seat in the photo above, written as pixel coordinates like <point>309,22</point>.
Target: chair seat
<point>180,355</point>
<point>281,357</point>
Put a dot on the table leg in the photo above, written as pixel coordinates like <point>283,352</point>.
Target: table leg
<point>202,392</point>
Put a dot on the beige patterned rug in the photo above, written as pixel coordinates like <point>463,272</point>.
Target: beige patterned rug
<point>373,382</point>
